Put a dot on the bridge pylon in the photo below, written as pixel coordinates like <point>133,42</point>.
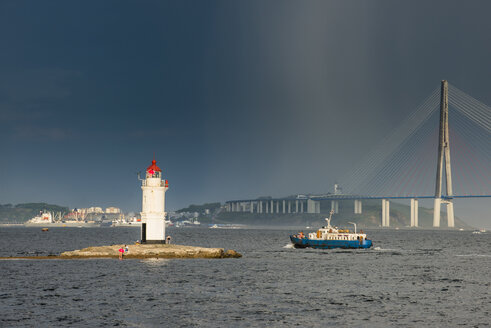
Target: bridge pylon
<point>443,156</point>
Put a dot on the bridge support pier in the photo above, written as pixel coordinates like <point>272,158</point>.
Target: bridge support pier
<point>385,213</point>
<point>335,206</point>
<point>313,206</point>
<point>414,212</point>
<point>289,207</point>
<point>437,211</point>
<point>283,206</point>
<point>443,158</point>
<point>450,214</point>
<point>357,206</point>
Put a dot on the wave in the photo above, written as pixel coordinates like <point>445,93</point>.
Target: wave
<point>473,255</point>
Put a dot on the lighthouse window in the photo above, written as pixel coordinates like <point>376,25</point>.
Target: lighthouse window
<point>153,174</point>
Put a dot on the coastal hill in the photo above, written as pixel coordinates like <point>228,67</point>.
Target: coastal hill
<point>208,207</point>
<point>21,213</point>
<point>212,213</point>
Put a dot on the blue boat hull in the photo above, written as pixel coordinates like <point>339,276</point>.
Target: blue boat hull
<point>328,244</point>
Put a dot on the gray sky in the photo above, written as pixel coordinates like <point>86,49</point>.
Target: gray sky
<point>236,99</point>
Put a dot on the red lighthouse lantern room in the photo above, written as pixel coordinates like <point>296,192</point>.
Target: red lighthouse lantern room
<point>153,171</point>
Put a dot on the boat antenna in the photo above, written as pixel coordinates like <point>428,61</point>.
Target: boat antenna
<point>354,225</point>
<point>329,219</point>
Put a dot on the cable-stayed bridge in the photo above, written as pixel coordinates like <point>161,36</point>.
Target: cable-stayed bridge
<point>442,151</point>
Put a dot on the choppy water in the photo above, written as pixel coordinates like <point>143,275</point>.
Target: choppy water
<point>409,279</point>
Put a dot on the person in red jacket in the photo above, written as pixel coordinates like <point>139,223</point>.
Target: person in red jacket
<point>121,251</point>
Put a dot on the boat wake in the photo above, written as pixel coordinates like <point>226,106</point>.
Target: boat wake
<point>386,249</point>
<point>473,255</point>
<point>289,245</point>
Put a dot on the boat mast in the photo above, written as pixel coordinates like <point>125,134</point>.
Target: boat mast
<point>354,225</point>
<point>329,219</point>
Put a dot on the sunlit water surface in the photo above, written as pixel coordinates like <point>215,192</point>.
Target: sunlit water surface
<point>408,279</point>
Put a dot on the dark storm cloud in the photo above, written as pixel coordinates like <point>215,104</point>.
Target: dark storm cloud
<point>27,101</point>
<point>23,86</point>
<point>236,99</point>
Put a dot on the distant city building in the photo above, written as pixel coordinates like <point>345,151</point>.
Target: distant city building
<point>114,210</point>
<point>88,210</point>
<point>95,210</point>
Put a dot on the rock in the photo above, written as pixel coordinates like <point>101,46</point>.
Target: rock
<point>151,251</point>
<point>231,254</point>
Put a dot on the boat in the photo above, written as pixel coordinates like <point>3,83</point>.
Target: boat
<point>45,219</point>
<point>187,223</point>
<point>127,222</point>
<point>226,226</point>
<point>331,237</point>
<point>77,224</point>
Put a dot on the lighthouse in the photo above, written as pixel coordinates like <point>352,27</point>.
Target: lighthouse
<point>153,205</point>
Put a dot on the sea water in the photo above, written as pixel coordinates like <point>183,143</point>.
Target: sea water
<point>410,278</point>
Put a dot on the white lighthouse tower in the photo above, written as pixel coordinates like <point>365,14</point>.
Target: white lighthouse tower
<point>153,206</point>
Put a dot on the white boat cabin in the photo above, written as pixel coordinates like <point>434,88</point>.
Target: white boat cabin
<point>333,233</point>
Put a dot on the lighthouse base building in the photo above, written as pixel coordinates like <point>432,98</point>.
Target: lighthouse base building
<point>153,206</point>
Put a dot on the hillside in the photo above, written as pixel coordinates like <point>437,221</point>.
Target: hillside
<point>22,212</point>
<point>200,208</point>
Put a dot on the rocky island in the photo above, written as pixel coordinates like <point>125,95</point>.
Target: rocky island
<point>142,251</point>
